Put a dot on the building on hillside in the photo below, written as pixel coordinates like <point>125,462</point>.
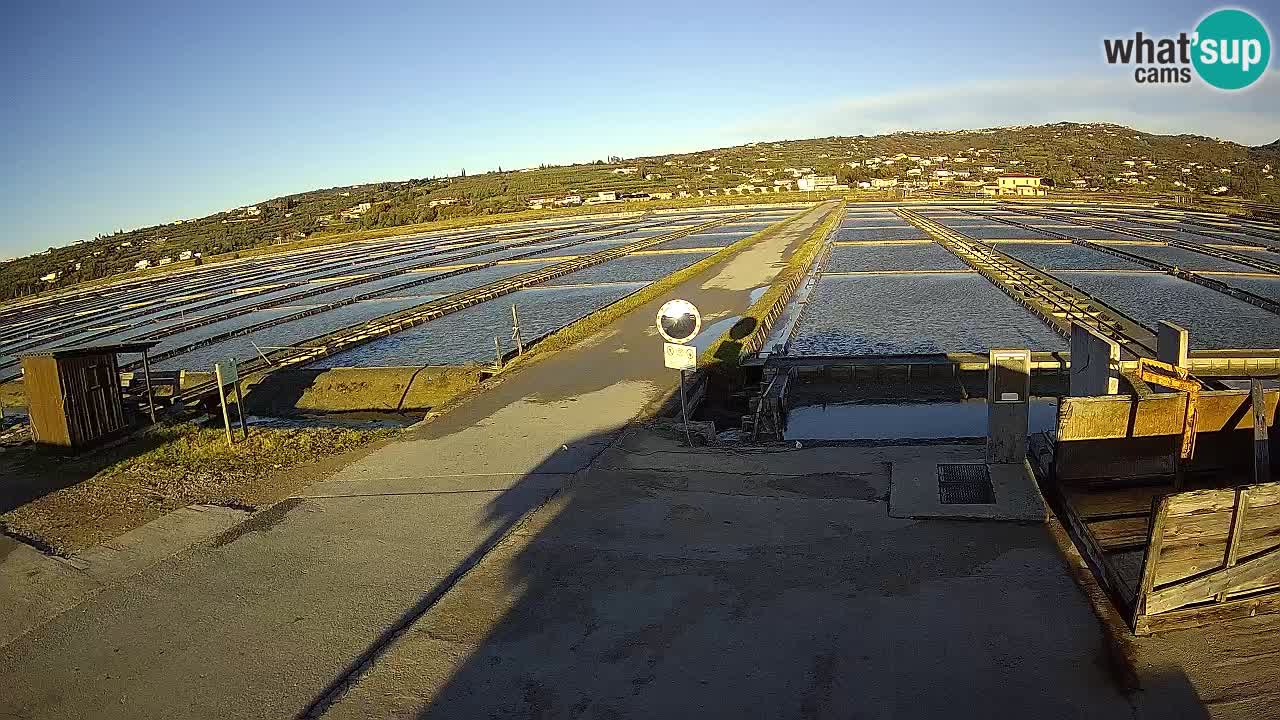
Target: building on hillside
<point>816,182</point>
<point>142,264</point>
<point>881,183</point>
<point>570,200</point>
<point>610,196</point>
<point>625,171</point>
<point>540,202</point>
<point>1020,184</point>
<point>356,211</point>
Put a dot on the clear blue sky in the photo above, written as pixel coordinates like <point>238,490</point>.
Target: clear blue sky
<point>124,114</point>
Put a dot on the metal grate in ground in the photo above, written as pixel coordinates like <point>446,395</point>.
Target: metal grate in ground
<point>965,484</point>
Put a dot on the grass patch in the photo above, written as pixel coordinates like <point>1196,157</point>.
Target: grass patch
<point>583,328</point>
<point>12,394</point>
<point>725,353</point>
<point>82,501</point>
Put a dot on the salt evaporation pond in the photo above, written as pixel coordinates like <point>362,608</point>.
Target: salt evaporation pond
<point>1066,256</point>
<point>467,335</point>
<point>1213,320</point>
<point>915,256</point>
<point>290,333</point>
<point>915,314</point>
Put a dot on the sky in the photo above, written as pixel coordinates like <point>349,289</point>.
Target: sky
<point>125,114</point>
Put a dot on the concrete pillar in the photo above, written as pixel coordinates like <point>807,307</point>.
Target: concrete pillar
<point>1171,344</point>
<point>1008,398</point>
<point>1171,347</point>
<point>1095,361</point>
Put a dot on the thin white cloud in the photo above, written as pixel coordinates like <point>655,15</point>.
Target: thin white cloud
<point>1251,117</point>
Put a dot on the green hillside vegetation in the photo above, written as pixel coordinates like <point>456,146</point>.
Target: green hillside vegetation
<point>1098,157</point>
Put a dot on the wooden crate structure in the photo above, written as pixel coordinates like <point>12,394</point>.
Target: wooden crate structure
<point>73,393</point>
<point>1168,557</point>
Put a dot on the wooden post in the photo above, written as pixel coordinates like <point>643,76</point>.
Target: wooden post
<point>497,349</point>
<point>515,331</point>
<point>1261,438</point>
<point>222,398</point>
<point>244,426</point>
<point>1233,539</point>
<point>146,375</point>
<point>1155,539</point>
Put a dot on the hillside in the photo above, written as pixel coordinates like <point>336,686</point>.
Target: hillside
<point>1089,156</point>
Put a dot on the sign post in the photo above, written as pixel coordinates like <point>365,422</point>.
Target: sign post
<point>678,322</point>
<point>227,373</point>
<point>244,424</point>
<point>222,398</point>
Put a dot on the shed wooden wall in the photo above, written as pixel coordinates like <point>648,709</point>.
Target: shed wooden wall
<point>44,400</point>
<point>93,407</point>
<point>74,401</point>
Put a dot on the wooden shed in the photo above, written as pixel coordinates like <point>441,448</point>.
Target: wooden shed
<point>73,393</point>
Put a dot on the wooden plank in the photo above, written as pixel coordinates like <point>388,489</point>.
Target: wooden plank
<point>1121,533</point>
<point>1132,500</point>
<point>1128,567</point>
<point>1197,540</point>
<point>1233,539</point>
<point>1261,443</point>
<point>1261,569</point>
<point>1095,418</point>
<point>1159,514</point>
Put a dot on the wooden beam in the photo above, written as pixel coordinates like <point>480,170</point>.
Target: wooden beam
<point>1261,441</point>
<point>1233,537</point>
<point>1208,614</point>
<point>1159,511</point>
<point>1208,585</point>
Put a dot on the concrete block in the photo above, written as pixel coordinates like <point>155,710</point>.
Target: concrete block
<point>1094,363</point>
<point>1008,398</point>
<point>1171,344</point>
<point>913,493</point>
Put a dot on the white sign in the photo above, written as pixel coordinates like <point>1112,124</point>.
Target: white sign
<point>678,321</point>
<point>680,357</point>
<point>226,371</point>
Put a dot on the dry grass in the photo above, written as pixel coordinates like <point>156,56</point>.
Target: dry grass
<point>165,469</point>
<point>12,394</point>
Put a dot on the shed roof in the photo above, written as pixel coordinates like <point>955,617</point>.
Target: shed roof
<point>82,350</point>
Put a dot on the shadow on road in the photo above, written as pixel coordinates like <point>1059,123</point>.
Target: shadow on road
<point>667,581</point>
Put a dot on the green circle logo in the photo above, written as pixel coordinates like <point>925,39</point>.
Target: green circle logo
<point>1232,49</point>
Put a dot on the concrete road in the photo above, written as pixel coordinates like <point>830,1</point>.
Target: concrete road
<point>280,611</point>
<point>715,583</point>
